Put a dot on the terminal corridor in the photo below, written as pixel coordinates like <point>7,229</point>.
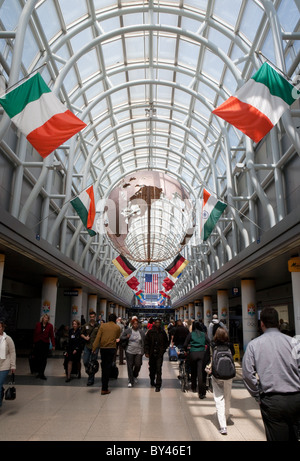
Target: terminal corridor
<point>53,410</point>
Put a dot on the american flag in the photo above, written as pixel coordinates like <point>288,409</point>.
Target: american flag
<point>151,283</point>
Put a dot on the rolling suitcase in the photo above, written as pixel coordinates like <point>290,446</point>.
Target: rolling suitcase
<point>173,357</point>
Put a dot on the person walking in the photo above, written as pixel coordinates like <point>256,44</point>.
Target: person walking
<point>212,327</point>
<point>107,337</point>
<point>271,373</point>
<point>156,344</point>
<point>179,334</point>
<point>74,350</point>
<point>7,358</point>
<point>43,334</point>
<point>133,340</point>
<point>88,334</point>
<point>119,345</point>
<point>197,343</point>
<point>222,387</point>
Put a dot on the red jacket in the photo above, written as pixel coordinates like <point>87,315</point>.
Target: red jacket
<point>46,335</point>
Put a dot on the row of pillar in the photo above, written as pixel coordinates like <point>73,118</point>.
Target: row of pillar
<point>49,296</point>
<point>79,305</point>
<point>198,309</point>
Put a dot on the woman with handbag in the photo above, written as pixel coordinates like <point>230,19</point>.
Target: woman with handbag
<point>7,358</point>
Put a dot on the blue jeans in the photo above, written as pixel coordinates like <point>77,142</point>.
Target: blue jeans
<point>3,376</point>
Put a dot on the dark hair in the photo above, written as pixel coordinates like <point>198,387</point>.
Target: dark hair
<point>269,316</point>
<point>3,324</point>
<point>112,318</point>
<point>196,326</point>
<point>221,335</point>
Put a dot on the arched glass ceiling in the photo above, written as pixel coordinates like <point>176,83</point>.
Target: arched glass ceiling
<point>145,77</point>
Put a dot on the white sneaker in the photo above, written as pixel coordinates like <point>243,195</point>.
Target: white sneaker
<point>129,385</point>
<point>223,431</point>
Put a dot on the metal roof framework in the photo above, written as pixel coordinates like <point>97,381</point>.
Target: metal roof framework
<point>145,77</point>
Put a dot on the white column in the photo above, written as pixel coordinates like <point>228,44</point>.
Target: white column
<point>294,268</point>
<point>191,311</point>
<point>103,308</point>
<point>76,306</point>
<point>92,302</point>
<point>249,311</point>
<point>181,312</point>
<point>2,260</point>
<point>207,310</point>
<point>49,296</point>
<point>198,310</point>
<point>223,307</point>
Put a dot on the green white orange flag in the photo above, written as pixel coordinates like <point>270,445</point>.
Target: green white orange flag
<point>40,115</point>
<point>212,208</point>
<point>84,204</point>
<point>258,105</point>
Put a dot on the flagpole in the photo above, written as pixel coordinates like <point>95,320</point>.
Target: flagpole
<point>274,65</point>
<point>24,78</point>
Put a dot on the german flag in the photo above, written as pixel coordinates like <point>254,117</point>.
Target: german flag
<point>123,265</point>
<point>177,266</point>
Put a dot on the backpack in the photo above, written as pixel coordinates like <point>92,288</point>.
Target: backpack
<point>222,363</point>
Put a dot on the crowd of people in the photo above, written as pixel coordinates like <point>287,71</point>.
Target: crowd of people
<point>270,366</point>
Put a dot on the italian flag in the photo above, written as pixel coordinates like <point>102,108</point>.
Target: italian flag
<point>258,105</point>
<point>212,208</point>
<point>84,204</point>
<point>40,115</point>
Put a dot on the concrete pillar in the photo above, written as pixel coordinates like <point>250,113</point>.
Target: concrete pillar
<point>181,312</point>
<point>103,308</point>
<point>249,311</point>
<point>198,310</point>
<point>49,296</point>
<point>294,269</point>
<point>191,311</point>
<point>223,307</point>
<point>76,306</point>
<point>92,303</point>
<point>207,310</point>
<point>2,260</point>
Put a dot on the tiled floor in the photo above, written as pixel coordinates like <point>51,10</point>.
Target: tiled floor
<point>53,410</point>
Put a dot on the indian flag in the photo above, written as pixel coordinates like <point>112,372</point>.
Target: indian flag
<point>212,208</point>
<point>40,115</point>
<point>84,204</point>
<point>258,105</point>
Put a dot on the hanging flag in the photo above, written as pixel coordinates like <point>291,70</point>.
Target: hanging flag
<point>259,103</point>
<point>212,208</point>
<point>40,115</point>
<point>132,282</point>
<point>123,265</point>
<point>151,283</point>
<point>84,204</point>
<point>177,266</point>
<point>168,284</point>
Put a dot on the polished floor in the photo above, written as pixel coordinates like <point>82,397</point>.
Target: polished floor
<point>54,410</point>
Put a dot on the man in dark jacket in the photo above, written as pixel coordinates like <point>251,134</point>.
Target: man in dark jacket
<point>156,344</point>
<point>179,334</point>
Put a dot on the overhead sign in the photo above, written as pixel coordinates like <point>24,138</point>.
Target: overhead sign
<point>71,292</point>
